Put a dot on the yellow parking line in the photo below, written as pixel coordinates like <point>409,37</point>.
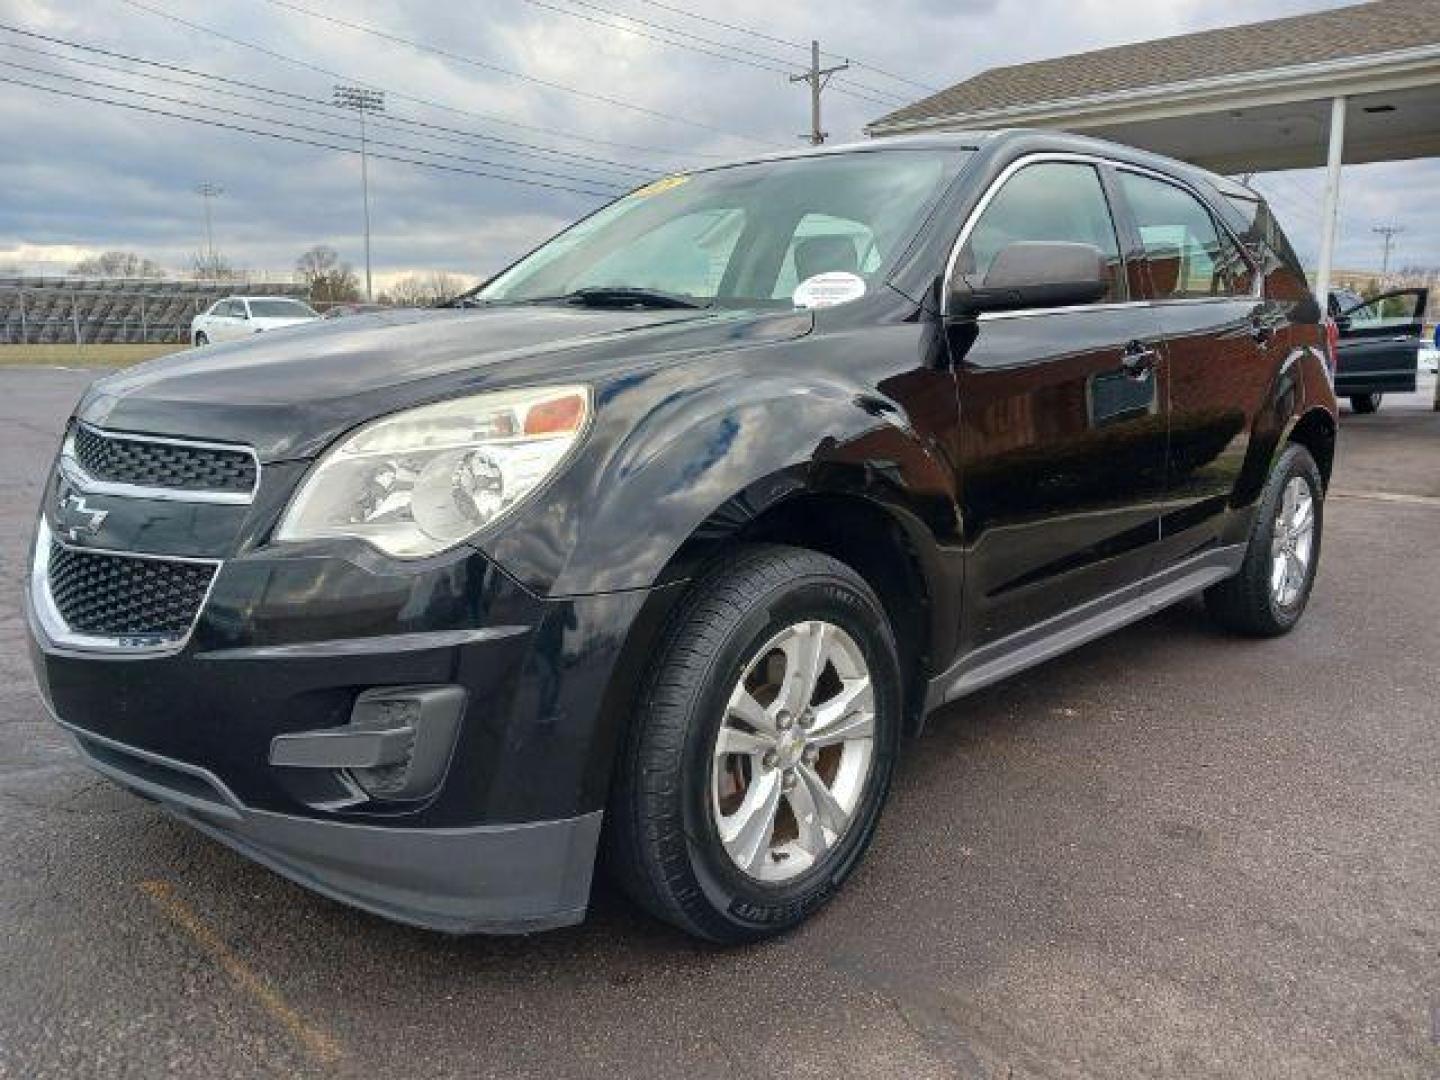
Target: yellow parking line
<point>318,1043</point>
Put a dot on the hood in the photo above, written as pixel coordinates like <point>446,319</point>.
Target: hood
<point>290,392</point>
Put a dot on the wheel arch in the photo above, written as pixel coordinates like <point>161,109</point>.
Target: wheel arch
<point>884,544</point>
<point>1316,430</point>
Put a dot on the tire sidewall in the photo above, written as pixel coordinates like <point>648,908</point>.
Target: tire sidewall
<point>742,902</point>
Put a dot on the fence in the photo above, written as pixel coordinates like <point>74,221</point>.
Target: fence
<point>90,311</point>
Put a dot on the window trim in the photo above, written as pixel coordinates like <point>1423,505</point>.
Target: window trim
<point>1099,162</point>
<point>1257,279</point>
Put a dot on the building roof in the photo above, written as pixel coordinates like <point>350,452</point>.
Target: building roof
<point>1358,30</point>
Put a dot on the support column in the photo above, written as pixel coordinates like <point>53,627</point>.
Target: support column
<point>1330,216</point>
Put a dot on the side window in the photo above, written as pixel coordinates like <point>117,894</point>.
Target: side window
<point>1055,201</point>
<point>823,243</point>
<point>232,309</point>
<point>1189,255</point>
<point>1390,311</point>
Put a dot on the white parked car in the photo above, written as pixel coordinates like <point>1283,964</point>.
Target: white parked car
<point>240,316</point>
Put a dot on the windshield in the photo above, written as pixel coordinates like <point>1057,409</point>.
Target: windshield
<point>280,309</point>
<point>745,235</point>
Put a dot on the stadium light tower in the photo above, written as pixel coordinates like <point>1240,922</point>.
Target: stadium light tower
<point>207,191</point>
<point>363,101</point>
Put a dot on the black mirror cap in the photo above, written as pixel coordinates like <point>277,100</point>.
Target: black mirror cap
<point>1035,274</point>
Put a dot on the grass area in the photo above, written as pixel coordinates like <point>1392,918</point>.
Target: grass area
<point>82,355</point>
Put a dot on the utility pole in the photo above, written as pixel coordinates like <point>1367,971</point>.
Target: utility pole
<point>1389,232</point>
<point>207,191</point>
<point>818,78</point>
<point>363,101</point>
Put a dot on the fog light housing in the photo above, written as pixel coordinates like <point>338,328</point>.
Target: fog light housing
<point>395,748</point>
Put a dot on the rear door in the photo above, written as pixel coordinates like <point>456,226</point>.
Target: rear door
<point>1062,433</point>
<point>1218,336</point>
<point>1380,342</point>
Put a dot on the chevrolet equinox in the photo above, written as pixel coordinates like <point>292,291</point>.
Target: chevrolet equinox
<point>649,550</point>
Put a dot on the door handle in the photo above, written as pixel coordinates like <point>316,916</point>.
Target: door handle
<point>1138,360</point>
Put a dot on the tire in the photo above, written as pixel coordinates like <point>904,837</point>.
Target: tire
<point>664,840</point>
<point>201,339</point>
<point>1251,602</point>
<point>1366,403</point>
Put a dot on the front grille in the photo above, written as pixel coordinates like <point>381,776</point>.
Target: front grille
<point>145,463</point>
<point>121,596</point>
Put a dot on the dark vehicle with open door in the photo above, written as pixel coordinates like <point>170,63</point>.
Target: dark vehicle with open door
<point>1380,341</point>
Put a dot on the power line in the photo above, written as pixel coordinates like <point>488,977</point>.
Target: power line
<point>485,65</point>
<point>207,122</point>
<point>765,62</point>
<point>309,129</point>
<point>511,146</point>
<point>309,65</point>
<point>750,31</point>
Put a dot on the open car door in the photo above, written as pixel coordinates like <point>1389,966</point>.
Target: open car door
<point>1380,341</point>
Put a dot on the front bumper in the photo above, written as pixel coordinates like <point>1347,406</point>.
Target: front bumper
<point>287,645</point>
<point>486,878</point>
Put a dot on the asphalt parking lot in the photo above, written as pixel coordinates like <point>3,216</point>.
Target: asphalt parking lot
<point>1168,854</point>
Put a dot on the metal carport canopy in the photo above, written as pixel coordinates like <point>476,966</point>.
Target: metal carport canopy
<point>1345,86</point>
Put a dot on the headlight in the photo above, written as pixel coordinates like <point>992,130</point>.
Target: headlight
<point>418,482</point>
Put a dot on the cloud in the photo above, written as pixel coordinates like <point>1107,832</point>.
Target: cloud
<point>83,176</point>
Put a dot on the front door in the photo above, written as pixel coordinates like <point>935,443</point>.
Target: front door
<point>229,321</point>
<point>1380,342</point>
<point>1062,431</point>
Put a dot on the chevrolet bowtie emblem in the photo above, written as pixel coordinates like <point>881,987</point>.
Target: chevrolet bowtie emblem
<point>76,520</point>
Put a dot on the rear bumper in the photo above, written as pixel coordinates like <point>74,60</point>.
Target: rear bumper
<point>486,878</point>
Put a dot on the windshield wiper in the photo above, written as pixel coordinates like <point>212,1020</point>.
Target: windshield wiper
<point>628,296</point>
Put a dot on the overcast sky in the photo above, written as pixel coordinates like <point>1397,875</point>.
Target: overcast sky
<point>81,176</point>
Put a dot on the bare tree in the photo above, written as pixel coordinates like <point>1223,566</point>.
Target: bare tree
<point>425,290</point>
<point>212,266</point>
<point>329,279</point>
<point>119,264</point>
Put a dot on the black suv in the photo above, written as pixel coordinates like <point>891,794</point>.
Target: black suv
<point>652,547</point>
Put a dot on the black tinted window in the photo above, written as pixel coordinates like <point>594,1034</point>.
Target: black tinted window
<point>1057,201</point>
<point>1188,253</point>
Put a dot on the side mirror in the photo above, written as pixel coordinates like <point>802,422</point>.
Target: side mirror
<point>1343,323</point>
<point>1035,274</point>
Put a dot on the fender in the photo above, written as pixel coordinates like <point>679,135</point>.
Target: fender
<point>707,461</point>
<point>1272,422</point>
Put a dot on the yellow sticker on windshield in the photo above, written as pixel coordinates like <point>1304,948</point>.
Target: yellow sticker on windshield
<point>660,185</point>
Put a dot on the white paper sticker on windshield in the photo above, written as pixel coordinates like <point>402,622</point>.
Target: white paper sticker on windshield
<point>827,290</point>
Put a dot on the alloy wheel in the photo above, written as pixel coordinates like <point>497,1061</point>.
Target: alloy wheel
<point>794,751</point>
<point>1292,544</point>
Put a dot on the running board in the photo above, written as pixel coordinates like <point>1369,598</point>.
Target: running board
<point>1074,628</point>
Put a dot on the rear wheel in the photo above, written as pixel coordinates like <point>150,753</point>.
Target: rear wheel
<point>1366,403</point>
<point>1268,596</point>
<point>761,752</point>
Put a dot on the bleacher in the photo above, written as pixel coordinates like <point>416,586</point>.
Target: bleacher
<point>36,310</point>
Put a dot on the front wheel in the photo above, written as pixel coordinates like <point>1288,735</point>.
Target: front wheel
<point>755,768</point>
<point>1366,403</point>
<point>201,339</point>
<point>1268,596</point>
